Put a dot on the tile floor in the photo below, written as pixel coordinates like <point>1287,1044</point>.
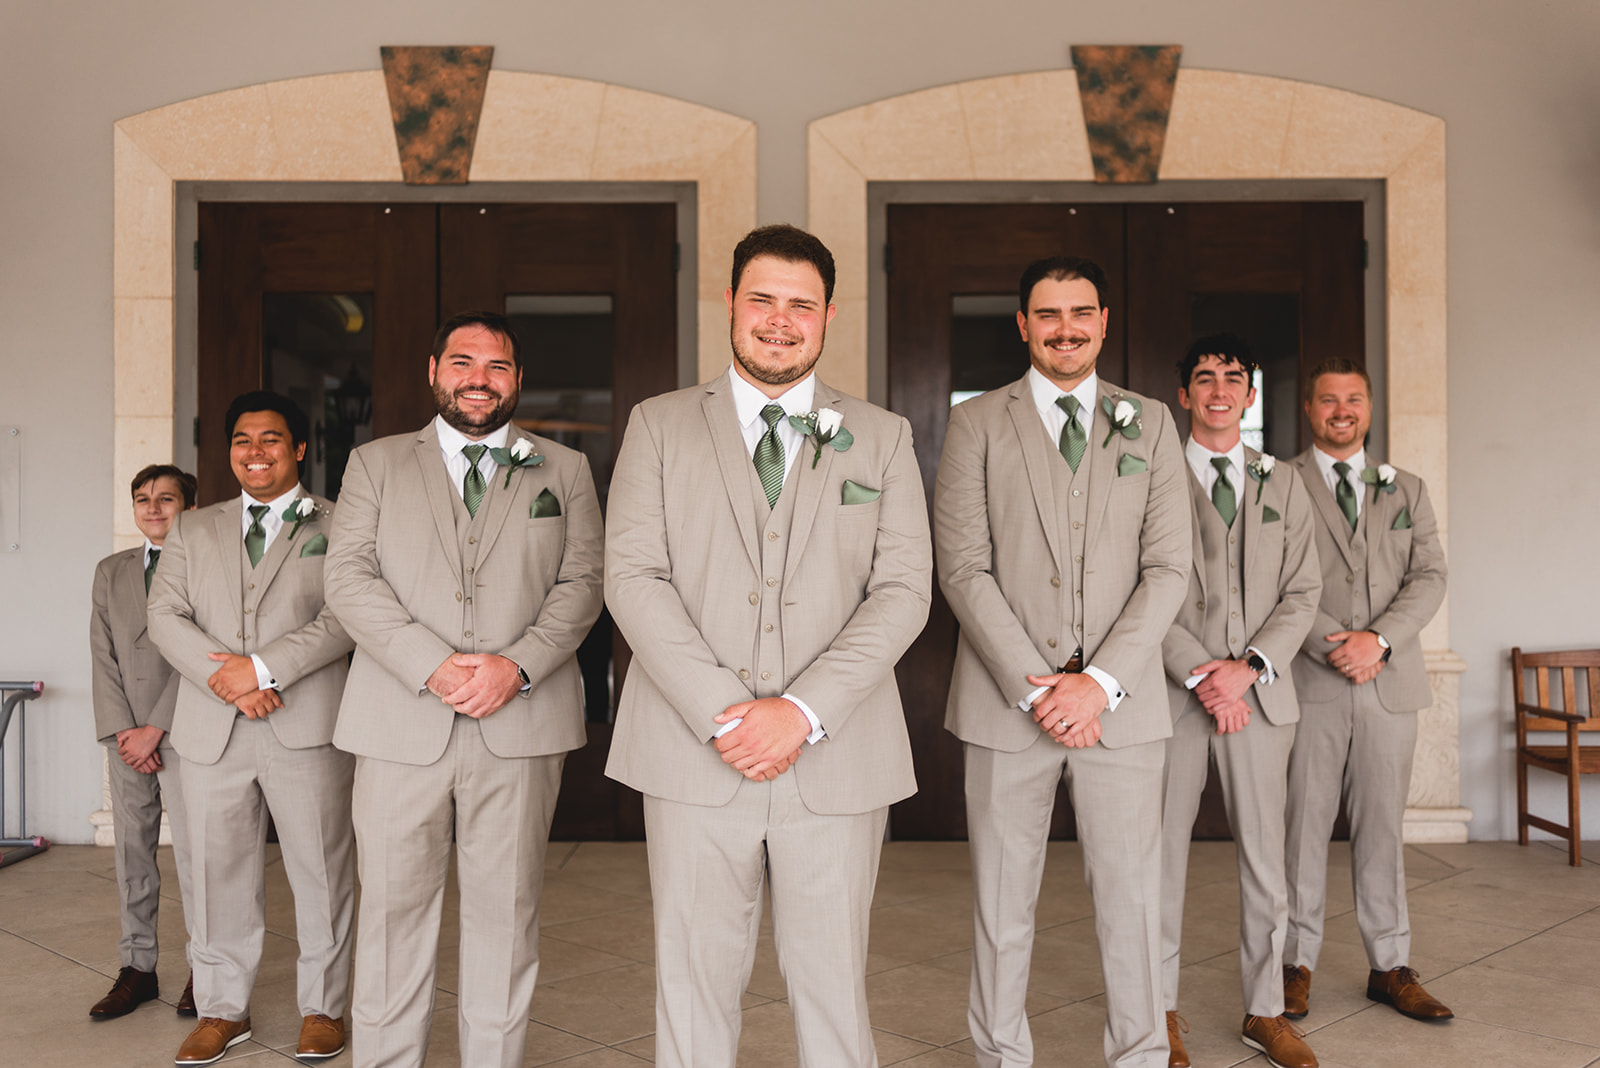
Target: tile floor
<point>1508,936</point>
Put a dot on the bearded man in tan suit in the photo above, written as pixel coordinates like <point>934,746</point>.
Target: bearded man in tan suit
<point>254,726</point>
<point>1361,681</point>
<point>135,692</point>
<point>1252,594</point>
<point>767,576</point>
<point>466,561</point>
<point>1062,523</point>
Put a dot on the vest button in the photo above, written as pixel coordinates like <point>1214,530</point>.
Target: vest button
<point>772,535</point>
<point>238,634</point>
<point>1234,589</point>
<point>766,674</point>
<point>1076,525</point>
<point>247,611</point>
<point>1233,615</point>
<point>469,570</point>
<point>767,628</point>
<point>1051,642</point>
<point>1055,580</point>
<point>772,582</point>
<point>754,599</point>
<point>466,634</point>
<point>1345,623</point>
<point>252,585</point>
<point>1077,559</point>
<point>472,541</point>
<point>743,674</point>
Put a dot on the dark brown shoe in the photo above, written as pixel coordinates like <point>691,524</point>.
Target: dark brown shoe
<point>1177,1027</point>
<point>1282,1042</point>
<point>1400,987</point>
<point>210,1039</point>
<point>320,1036</point>
<point>186,1002</point>
<point>1296,991</point>
<point>132,989</point>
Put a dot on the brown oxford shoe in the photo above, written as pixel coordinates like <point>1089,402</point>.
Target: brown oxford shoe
<point>186,1002</point>
<point>1282,1042</point>
<point>210,1039</point>
<point>1401,988</point>
<point>132,989</point>
<point>320,1037</point>
<point>1296,991</point>
<point>1176,1027</point>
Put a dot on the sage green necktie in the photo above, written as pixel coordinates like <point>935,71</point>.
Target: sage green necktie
<point>1344,494</point>
<point>1222,494</point>
<point>150,568</point>
<point>473,487</point>
<point>255,538</point>
<point>769,455</point>
<point>1073,438</point>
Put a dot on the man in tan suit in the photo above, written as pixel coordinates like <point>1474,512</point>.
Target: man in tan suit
<point>1252,594</point>
<point>1063,531</point>
<point>768,564</point>
<point>1361,682</point>
<point>467,564</point>
<point>134,694</point>
<point>254,726</point>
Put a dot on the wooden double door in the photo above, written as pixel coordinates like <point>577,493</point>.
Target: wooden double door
<point>1286,276</point>
<point>336,305</point>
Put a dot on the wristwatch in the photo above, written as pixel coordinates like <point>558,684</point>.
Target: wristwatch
<point>1384,642</point>
<point>1257,664</point>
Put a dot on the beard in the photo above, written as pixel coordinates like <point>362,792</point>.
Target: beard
<point>774,374</point>
<point>475,425</point>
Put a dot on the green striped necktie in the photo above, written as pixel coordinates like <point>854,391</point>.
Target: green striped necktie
<point>1345,494</point>
<point>255,538</point>
<point>1073,438</point>
<point>150,568</point>
<point>769,455</point>
<point>1222,494</point>
<point>473,487</point>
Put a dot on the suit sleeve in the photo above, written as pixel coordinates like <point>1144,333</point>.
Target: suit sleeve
<point>961,525</point>
<point>1423,588</point>
<point>1300,582</point>
<point>640,594</point>
<point>293,656</point>
<point>169,612</point>
<point>112,712</point>
<point>895,606</point>
<point>363,602</point>
<point>573,603</point>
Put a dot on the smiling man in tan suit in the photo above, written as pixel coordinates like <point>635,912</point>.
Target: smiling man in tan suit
<point>466,561</point>
<point>135,692</point>
<point>1252,594</point>
<point>767,576</point>
<point>1361,682</point>
<point>254,726</point>
<point>1063,530</point>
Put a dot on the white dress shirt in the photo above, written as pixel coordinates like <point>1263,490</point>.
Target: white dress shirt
<point>271,522</point>
<point>747,404</point>
<point>1358,463</point>
<point>1045,393</point>
<point>452,441</point>
<point>1199,458</point>
<point>149,547</point>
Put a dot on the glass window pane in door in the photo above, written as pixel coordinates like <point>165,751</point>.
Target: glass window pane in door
<point>986,351</point>
<point>317,351</point>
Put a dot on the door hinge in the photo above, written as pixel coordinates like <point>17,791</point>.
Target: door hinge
<point>888,261</point>
<point>677,257</point>
<point>197,255</point>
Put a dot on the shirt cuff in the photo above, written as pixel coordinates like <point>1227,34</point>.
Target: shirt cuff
<point>1026,704</point>
<point>264,679</point>
<point>1114,692</point>
<point>1194,680</point>
<point>1268,676</point>
<point>817,733</point>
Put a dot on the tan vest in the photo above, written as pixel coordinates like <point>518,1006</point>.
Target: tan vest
<point>1224,632</point>
<point>469,535</point>
<point>771,676</point>
<point>1071,491</point>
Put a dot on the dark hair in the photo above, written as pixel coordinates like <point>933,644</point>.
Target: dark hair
<point>264,400</point>
<point>493,322</point>
<point>1060,269</point>
<point>150,472</point>
<point>1335,365</point>
<point>1229,348</point>
<point>790,244</point>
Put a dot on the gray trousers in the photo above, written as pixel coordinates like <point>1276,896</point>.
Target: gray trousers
<point>136,802</point>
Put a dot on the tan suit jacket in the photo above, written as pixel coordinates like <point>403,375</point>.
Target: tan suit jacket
<point>1281,586</point>
<point>133,686</point>
<point>683,581</point>
<point>396,579</point>
<point>204,600</point>
<point>1002,559</point>
<point>1402,574</point>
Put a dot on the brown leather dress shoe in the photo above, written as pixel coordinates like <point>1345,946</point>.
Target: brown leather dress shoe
<point>1401,988</point>
<point>1177,1026</point>
<point>1282,1042</point>
<point>210,1039</point>
<point>132,989</point>
<point>186,1002</point>
<point>320,1036</point>
<point>1296,991</point>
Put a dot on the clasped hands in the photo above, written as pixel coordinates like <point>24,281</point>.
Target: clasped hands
<point>1069,712</point>
<point>136,746</point>
<point>767,741</point>
<point>1222,692</point>
<point>235,684</point>
<point>475,684</point>
<point>1359,658</point>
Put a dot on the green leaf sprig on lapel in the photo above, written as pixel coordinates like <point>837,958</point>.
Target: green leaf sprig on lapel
<point>301,510</point>
<point>520,454</point>
<point>1380,478</point>
<point>1124,413</point>
<point>824,427</point>
<point>1259,470</point>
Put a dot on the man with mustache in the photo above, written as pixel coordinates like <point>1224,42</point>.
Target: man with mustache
<point>767,576</point>
<point>1361,682</point>
<point>466,563</point>
<point>1062,522</point>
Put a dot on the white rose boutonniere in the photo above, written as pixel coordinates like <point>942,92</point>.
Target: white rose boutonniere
<point>520,454</point>
<point>824,427</point>
<point>1260,469</point>
<point>1380,478</point>
<point>301,510</point>
<point>1124,413</point>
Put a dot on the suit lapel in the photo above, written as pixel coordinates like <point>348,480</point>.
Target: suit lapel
<point>1248,491</point>
<point>1103,462</point>
<point>810,481</point>
<point>722,423</point>
<point>1378,512</point>
<point>1322,497</point>
<point>501,495</point>
<point>278,551</point>
<point>226,525</point>
<point>1037,456</point>
<point>133,591</point>
<point>1197,501</point>
<point>436,487</point>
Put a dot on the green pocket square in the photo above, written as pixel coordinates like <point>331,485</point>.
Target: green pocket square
<point>1270,514</point>
<point>544,506</point>
<point>317,546</point>
<point>1403,520</point>
<point>856,493</point>
<point>1130,465</point>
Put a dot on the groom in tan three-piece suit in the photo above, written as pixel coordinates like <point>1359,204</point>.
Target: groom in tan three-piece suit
<point>767,577</point>
<point>236,607</point>
<point>466,563</point>
<point>1062,520</point>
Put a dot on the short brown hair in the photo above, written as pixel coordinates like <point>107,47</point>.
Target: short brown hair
<point>493,322</point>
<point>790,244</point>
<point>149,473</point>
<point>1335,365</point>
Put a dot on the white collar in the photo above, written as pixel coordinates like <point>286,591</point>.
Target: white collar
<point>245,501</point>
<point>748,401</point>
<point>1045,393</point>
<point>1200,456</point>
<point>453,441</point>
<point>1357,462</point>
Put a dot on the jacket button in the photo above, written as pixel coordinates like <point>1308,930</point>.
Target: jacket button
<point>238,634</point>
<point>1200,605</point>
<point>754,599</point>
<point>1345,623</point>
<point>1051,642</point>
<point>743,674</point>
<point>1055,580</point>
<point>1349,578</point>
<point>458,595</point>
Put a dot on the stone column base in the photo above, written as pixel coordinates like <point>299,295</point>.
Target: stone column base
<point>105,832</point>
<point>1433,811</point>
